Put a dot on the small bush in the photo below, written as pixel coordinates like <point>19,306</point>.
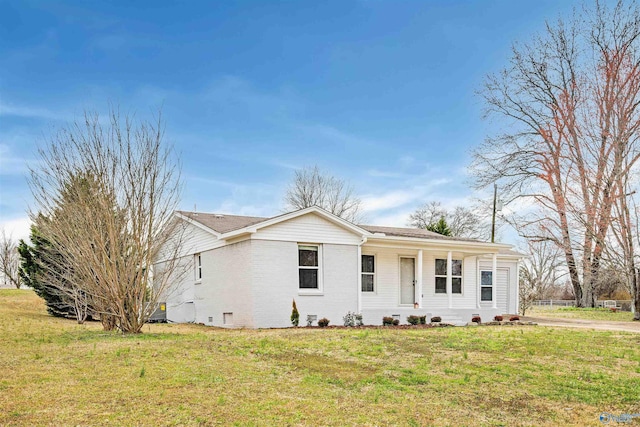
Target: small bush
<point>613,309</point>
<point>387,321</point>
<point>436,319</point>
<point>423,320</point>
<point>323,323</point>
<point>514,318</point>
<point>295,316</point>
<point>498,318</point>
<point>476,319</point>
<point>396,322</point>
<point>413,320</point>
<point>352,319</point>
<point>310,319</point>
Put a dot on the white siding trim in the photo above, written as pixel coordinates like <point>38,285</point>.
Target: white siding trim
<point>449,278</point>
<point>419,279</point>
<point>494,280</point>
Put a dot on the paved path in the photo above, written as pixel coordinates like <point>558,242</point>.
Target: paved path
<point>585,324</point>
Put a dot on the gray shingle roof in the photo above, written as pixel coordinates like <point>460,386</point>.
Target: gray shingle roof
<point>222,223</point>
<point>411,232</point>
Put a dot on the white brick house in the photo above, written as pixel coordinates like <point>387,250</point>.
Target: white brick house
<point>245,272</point>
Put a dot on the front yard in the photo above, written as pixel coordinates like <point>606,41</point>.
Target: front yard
<point>581,313</point>
<point>54,372</point>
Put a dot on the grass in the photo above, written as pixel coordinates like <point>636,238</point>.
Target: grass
<point>581,313</point>
<point>55,372</point>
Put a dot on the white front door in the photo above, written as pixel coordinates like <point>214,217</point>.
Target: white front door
<point>407,280</point>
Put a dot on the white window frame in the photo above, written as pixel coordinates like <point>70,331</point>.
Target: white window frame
<point>445,277</point>
<point>197,261</point>
<point>318,289</point>
<point>487,286</point>
<point>366,273</point>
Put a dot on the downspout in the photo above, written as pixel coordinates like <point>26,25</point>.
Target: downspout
<point>359,281</point>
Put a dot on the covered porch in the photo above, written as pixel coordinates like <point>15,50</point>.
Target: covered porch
<point>453,280</point>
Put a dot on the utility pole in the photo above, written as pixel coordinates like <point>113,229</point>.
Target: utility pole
<point>493,218</point>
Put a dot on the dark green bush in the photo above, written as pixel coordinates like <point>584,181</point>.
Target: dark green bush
<point>323,323</point>
<point>387,321</point>
<point>436,319</point>
<point>413,320</point>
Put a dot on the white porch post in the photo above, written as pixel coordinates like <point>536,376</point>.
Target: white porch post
<point>449,267</point>
<point>478,283</point>
<point>419,279</point>
<point>359,281</point>
<point>494,281</point>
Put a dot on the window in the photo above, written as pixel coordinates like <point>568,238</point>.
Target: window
<point>308,266</point>
<point>198,264</point>
<point>368,273</point>
<point>441,276</point>
<point>486,286</point>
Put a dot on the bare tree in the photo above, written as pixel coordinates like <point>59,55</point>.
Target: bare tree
<point>9,261</point>
<point>313,187</point>
<point>427,214</point>
<point>622,252</point>
<point>571,98</point>
<point>462,221</point>
<point>539,273</point>
<point>120,185</point>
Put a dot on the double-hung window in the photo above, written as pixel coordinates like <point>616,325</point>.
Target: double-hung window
<point>441,276</point>
<point>486,286</point>
<point>197,258</point>
<point>368,273</point>
<point>309,266</point>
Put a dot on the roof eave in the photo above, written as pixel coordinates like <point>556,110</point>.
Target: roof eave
<point>491,247</point>
<point>197,224</point>
<point>276,220</point>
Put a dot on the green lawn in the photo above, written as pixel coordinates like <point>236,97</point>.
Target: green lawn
<point>581,313</point>
<point>54,372</point>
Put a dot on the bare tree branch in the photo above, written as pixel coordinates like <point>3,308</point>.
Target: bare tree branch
<point>313,187</point>
<point>108,192</point>
<point>9,261</point>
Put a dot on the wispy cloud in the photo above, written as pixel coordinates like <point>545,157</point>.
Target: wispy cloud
<point>29,112</point>
<point>16,228</point>
<point>397,198</point>
<point>11,164</point>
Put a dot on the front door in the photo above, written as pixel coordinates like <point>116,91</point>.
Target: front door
<point>407,280</point>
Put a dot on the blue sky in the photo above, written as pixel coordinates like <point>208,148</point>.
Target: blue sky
<point>380,93</point>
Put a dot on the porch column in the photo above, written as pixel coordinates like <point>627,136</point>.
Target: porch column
<point>478,283</point>
<point>419,279</point>
<point>359,281</point>
<point>449,268</point>
<point>494,281</point>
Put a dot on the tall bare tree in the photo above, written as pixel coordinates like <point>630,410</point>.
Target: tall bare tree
<point>9,261</point>
<point>120,184</point>
<point>623,251</point>
<point>539,273</point>
<point>571,102</point>
<point>313,187</point>
<point>462,221</point>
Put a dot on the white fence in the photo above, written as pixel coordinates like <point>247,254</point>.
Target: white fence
<point>624,305</point>
<point>555,303</point>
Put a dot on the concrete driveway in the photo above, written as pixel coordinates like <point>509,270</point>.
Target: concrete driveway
<point>585,324</point>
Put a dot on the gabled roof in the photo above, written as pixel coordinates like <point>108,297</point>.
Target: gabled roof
<point>229,226</point>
